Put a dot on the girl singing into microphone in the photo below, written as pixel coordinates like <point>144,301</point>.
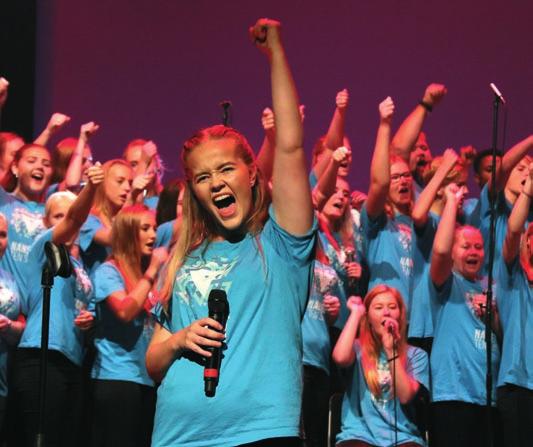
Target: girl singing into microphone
<point>387,374</point>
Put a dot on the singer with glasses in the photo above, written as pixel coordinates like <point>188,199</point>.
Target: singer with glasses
<point>387,377</point>
<point>123,394</point>
<point>261,257</point>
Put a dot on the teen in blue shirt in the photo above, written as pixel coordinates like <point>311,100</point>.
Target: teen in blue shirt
<point>262,258</point>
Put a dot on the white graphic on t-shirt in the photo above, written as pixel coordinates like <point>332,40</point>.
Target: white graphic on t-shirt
<point>195,281</point>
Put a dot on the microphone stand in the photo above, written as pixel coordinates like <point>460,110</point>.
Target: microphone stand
<point>394,354</point>
<point>490,267</point>
<point>47,282</point>
<point>57,263</point>
<point>226,118</point>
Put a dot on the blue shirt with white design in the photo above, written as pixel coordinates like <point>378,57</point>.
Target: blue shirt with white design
<point>68,297</point>
<point>266,279</point>
<point>387,245</point>
<point>9,307</point>
<point>370,419</point>
<point>458,356</point>
<point>24,224</point>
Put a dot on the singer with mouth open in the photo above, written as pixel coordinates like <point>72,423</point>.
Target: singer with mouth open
<point>260,256</point>
<point>387,376</point>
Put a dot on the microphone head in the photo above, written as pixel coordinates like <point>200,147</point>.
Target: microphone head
<point>218,302</point>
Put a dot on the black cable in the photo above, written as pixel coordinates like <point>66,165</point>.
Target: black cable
<point>394,355</point>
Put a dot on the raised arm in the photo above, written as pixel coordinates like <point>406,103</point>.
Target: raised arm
<point>291,195</point>
<point>265,157</point>
<point>441,257</point>
<point>127,305</point>
<point>328,180</point>
<point>380,165</point>
<point>408,132</point>
<point>67,228</point>
<point>335,136</point>
<point>57,122</point>
<point>74,171</point>
<point>428,194</point>
<point>517,220</point>
<point>344,353</point>
<point>510,159</point>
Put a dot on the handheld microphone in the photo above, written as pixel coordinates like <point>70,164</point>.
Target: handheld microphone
<point>389,326</point>
<point>353,284</point>
<point>218,310</point>
<point>497,92</point>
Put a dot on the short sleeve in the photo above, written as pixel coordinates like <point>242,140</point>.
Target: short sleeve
<point>418,366</point>
<point>107,280</point>
<point>88,230</point>
<point>297,250</point>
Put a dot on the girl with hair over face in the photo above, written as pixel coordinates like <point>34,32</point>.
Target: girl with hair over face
<point>261,257</point>
<point>112,195</point>
<point>384,368</point>
<point>458,356</point>
<point>69,317</point>
<point>123,393</point>
<point>21,200</point>
<point>515,304</point>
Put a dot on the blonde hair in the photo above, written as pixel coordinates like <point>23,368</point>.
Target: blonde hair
<point>102,207</point>
<point>126,252</point>
<point>371,344</point>
<point>198,224</point>
<point>453,176</point>
<point>57,197</point>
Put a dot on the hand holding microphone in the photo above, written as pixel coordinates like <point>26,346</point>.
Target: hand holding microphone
<point>390,335</point>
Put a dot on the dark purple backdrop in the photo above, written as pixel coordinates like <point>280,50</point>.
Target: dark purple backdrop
<point>157,69</point>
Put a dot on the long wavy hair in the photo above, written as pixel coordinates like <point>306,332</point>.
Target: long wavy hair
<point>371,343</point>
<point>102,207</point>
<point>198,224</point>
<point>125,249</point>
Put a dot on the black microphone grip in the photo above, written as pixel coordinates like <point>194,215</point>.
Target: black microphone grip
<point>218,310</point>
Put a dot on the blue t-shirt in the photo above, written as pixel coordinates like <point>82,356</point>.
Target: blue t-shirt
<point>420,321</point>
<point>316,342</point>
<point>267,281</point>
<point>370,419</point>
<point>25,223</point>
<point>92,253</point>
<point>10,307</point>
<point>503,211</point>
<point>337,260</point>
<point>120,346</point>
<point>387,244</point>
<point>164,234</point>
<point>151,202</point>
<point>458,356</point>
<point>68,297</point>
<point>515,305</point>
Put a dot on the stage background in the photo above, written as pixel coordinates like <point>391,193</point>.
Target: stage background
<point>157,69</point>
